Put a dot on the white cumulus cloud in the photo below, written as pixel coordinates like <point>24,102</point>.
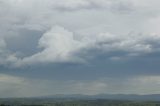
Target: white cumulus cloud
<point>61,45</point>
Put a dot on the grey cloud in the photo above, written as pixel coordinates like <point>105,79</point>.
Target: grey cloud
<point>58,44</point>
<point>93,4</point>
<point>85,39</point>
<point>3,52</point>
<point>2,45</point>
<point>61,45</point>
<point>72,5</point>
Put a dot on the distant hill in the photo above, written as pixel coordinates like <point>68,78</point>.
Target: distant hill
<point>152,97</point>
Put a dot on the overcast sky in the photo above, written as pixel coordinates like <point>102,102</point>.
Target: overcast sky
<point>89,47</point>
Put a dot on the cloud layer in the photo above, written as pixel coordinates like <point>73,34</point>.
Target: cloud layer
<point>89,37</point>
<point>61,45</point>
<point>60,41</point>
<point>14,86</point>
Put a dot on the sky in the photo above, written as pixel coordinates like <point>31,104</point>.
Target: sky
<point>89,47</point>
